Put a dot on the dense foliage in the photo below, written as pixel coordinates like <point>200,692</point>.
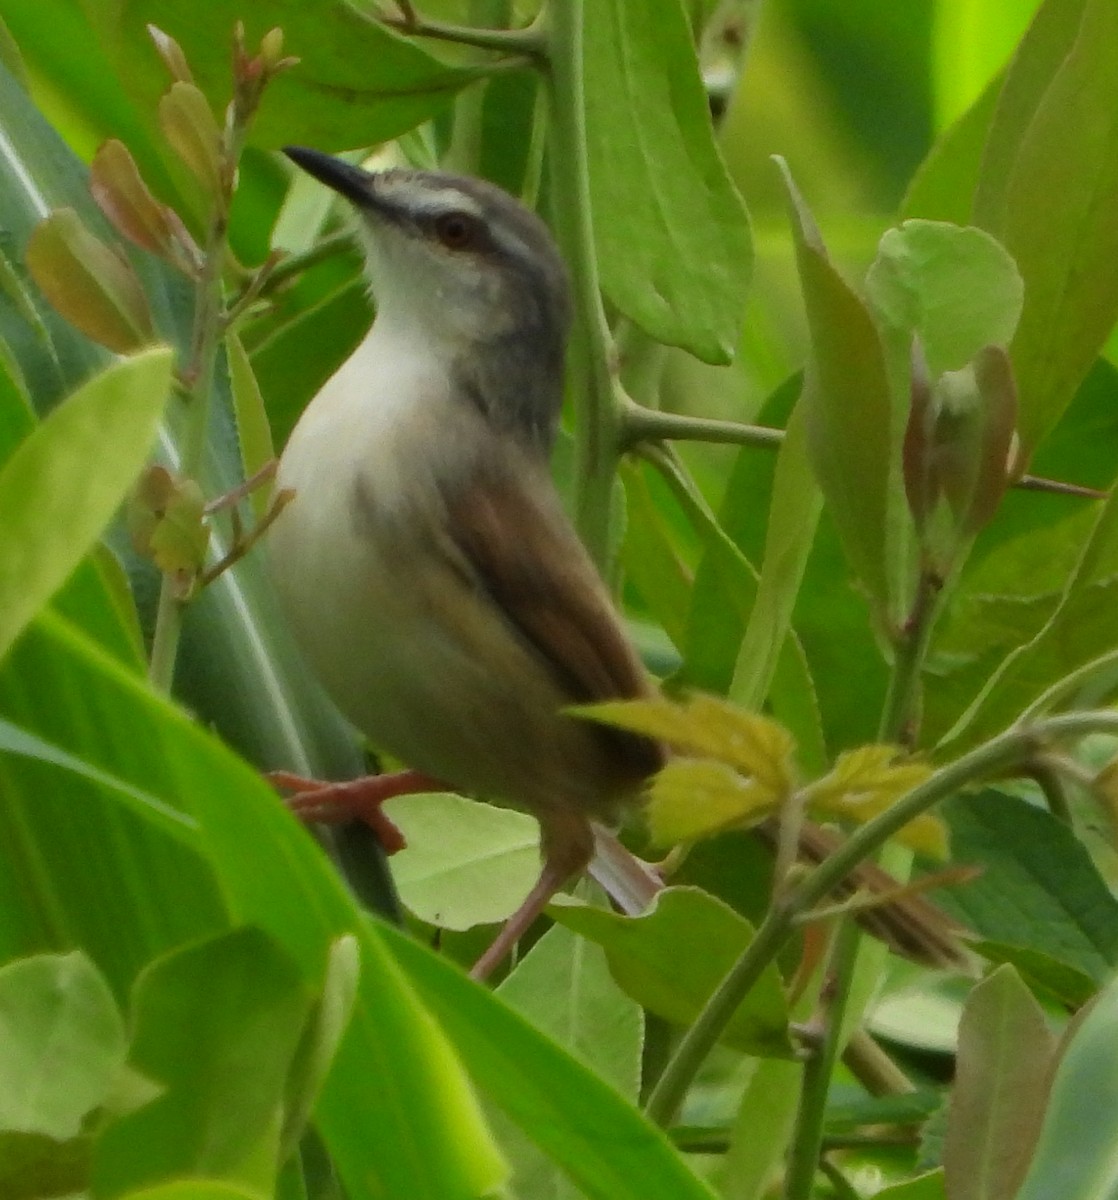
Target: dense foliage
<point>848,459</point>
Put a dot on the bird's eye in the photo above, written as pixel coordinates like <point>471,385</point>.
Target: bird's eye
<point>456,230</point>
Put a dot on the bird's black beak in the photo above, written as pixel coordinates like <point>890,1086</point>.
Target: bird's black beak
<point>349,181</point>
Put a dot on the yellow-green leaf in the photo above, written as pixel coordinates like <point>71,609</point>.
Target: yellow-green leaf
<point>92,285</point>
<point>708,727</point>
<point>865,782</point>
<point>695,798</point>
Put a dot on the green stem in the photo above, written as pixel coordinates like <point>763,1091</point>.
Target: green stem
<point>1009,749</point>
<point>596,396</point>
<point>205,338</point>
<point>807,1138</point>
<point>1051,783</point>
<point>529,42</point>
<point>640,424</point>
<point>900,718</point>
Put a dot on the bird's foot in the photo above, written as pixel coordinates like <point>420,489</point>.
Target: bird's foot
<point>353,800</point>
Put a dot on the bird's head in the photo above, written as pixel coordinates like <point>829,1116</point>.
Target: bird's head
<point>466,267</point>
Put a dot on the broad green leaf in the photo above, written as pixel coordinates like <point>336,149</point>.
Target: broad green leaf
<point>1003,1066</point>
<point>61,486</point>
<point>216,1025</point>
<point>1057,210</point>
<point>652,563</point>
<point>1046,975</point>
<point>478,868</point>
<point>924,1014</point>
<point>1076,632</point>
<point>564,987</point>
<point>944,184</point>
<point>1038,889</point>
<point>971,42</point>
<point>1075,1156</point>
<point>644,956</point>
<point>611,1152</point>
<point>357,81</point>
<point>762,1128</point>
<point>1038,57</point>
<point>956,288</point>
<point>847,407</point>
<point>671,232</point>
<point>62,1043</point>
<point>314,1056</point>
<point>394,1071</point>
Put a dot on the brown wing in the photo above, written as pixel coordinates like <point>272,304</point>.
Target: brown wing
<point>528,558</point>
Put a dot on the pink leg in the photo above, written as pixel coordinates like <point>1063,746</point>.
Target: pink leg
<point>354,799</point>
<point>568,843</point>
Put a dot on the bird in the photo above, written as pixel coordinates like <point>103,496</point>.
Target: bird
<point>426,564</point>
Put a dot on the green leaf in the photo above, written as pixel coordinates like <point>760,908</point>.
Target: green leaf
<point>196,1189</point>
<point>1076,632</point>
<point>476,871</point>
<point>1003,1067</point>
<point>1054,204</point>
<point>956,288</point>
<point>793,516</point>
<point>611,1152</point>
<point>1075,1156</point>
<point>1041,52</point>
<point>62,1044</point>
<point>61,487</point>
<point>191,130</point>
<point>1046,974</point>
<point>216,1024</point>
<point>253,431</point>
<point>924,1187</point>
<point>644,956</point>
<point>322,1035</point>
<point>1039,888</point>
<point>91,284</point>
<point>651,561</point>
<point>357,82</point>
<point>564,987</point>
<point>847,407</point>
<point>671,232</point>
<point>395,1071</point>
<point>944,184</point>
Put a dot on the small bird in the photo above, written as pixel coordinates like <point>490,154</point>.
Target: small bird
<point>426,565</point>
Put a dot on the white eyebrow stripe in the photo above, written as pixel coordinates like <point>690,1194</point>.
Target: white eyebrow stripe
<point>432,203</point>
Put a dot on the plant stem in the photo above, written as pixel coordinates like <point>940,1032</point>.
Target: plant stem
<point>529,41</point>
<point>1009,749</point>
<point>596,396</point>
<point>205,337</point>
<point>900,718</point>
<point>640,424</point>
<point>807,1139</point>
